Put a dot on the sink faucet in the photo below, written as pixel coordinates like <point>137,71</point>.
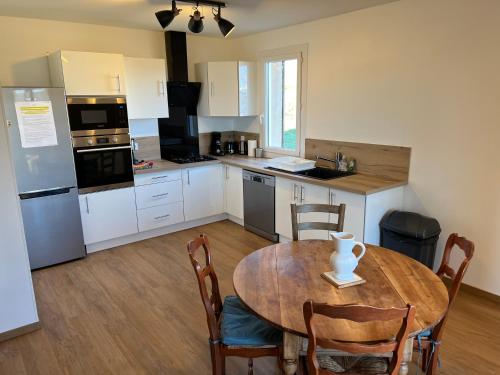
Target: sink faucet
<point>338,157</point>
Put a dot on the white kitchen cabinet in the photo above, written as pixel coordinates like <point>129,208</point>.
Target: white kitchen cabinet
<point>362,216</point>
<point>313,194</point>
<point>203,191</point>
<point>354,221</point>
<point>108,214</point>
<point>157,177</point>
<point>233,191</point>
<point>160,216</point>
<point>157,194</point>
<point>228,88</point>
<point>247,86</point>
<point>88,73</point>
<point>146,81</point>
<point>291,191</point>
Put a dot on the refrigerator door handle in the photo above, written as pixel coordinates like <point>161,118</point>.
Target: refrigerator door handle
<point>44,193</point>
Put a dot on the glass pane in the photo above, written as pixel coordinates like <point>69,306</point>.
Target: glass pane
<point>281,92</point>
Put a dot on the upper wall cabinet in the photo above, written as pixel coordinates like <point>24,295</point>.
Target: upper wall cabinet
<point>228,88</point>
<point>146,81</point>
<point>88,73</point>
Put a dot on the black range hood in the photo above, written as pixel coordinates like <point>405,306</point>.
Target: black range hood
<point>180,92</point>
<point>179,139</point>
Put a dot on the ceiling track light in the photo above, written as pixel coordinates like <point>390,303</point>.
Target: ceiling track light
<point>165,17</point>
<point>226,27</point>
<point>195,25</point>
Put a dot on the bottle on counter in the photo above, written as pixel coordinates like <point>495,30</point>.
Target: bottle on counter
<point>351,166</point>
<point>343,164</point>
<point>242,145</point>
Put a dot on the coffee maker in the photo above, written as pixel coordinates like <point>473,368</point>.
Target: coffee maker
<point>216,144</point>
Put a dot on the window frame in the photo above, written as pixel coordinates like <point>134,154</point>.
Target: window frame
<point>292,52</point>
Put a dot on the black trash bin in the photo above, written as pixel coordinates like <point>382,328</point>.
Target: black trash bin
<point>411,234</point>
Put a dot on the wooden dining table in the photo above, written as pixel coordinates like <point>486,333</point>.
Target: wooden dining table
<point>275,281</point>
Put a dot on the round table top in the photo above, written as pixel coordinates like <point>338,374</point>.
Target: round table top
<point>274,282</point>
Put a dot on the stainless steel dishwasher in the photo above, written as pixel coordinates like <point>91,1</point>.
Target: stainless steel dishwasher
<point>258,193</point>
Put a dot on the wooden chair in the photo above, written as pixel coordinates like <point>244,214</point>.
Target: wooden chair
<point>255,337</point>
<point>324,208</point>
<point>357,313</point>
<point>429,342</point>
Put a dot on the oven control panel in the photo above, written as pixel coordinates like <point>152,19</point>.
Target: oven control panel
<point>104,140</point>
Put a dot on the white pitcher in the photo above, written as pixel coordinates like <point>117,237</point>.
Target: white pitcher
<point>342,260</point>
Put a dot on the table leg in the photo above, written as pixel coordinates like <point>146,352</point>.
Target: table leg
<point>290,353</point>
<point>407,356</point>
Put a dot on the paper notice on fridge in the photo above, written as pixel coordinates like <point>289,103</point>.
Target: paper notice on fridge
<point>36,124</point>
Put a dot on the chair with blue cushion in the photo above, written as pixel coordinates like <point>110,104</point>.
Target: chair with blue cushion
<point>234,330</point>
<point>429,342</point>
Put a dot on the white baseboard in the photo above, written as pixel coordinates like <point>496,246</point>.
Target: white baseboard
<point>92,248</point>
<point>235,219</point>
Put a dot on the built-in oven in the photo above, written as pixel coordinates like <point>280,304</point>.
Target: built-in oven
<point>101,143</point>
<point>103,162</point>
<point>89,116</point>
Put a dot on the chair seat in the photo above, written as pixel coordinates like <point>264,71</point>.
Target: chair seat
<point>354,365</point>
<point>240,327</point>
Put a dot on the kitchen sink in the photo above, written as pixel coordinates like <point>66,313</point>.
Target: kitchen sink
<point>324,173</point>
<point>318,173</point>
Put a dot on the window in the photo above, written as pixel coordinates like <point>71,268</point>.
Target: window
<point>282,117</point>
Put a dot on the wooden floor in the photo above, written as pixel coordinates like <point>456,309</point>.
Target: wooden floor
<point>136,310</point>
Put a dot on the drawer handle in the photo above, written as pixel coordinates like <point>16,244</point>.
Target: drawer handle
<point>161,217</point>
<point>159,177</point>
<point>160,195</point>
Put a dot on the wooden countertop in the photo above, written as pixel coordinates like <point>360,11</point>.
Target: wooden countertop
<point>161,165</point>
<point>360,183</point>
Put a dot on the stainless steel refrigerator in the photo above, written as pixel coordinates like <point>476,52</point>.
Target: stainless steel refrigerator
<point>42,153</point>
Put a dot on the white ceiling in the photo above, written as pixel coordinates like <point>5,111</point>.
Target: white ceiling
<point>249,16</point>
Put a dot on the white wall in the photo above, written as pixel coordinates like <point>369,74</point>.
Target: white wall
<point>424,74</point>
<point>17,299</point>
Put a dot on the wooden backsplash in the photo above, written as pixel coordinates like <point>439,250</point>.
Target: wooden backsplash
<point>149,148</point>
<point>386,161</point>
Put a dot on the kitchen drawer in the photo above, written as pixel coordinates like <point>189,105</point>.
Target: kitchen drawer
<point>158,177</point>
<point>158,194</point>
<point>160,216</point>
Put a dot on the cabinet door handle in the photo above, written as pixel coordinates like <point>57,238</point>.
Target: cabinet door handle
<point>227,172</point>
<point>302,194</point>
<point>189,178</point>
<point>160,195</point>
<point>159,177</point>
<point>119,83</point>
<point>87,203</point>
<point>161,217</point>
<point>211,88</point>
<point>295,193</point>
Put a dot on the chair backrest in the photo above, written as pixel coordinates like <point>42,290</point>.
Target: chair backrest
<point>212,302</point>
<point>454,241</point>
<point>360,314</point>
<point>325,208</point>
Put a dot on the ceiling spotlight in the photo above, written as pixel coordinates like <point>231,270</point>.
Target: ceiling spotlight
<point>196,22</point>
<point>165,17</point>
<point>225,26</point>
